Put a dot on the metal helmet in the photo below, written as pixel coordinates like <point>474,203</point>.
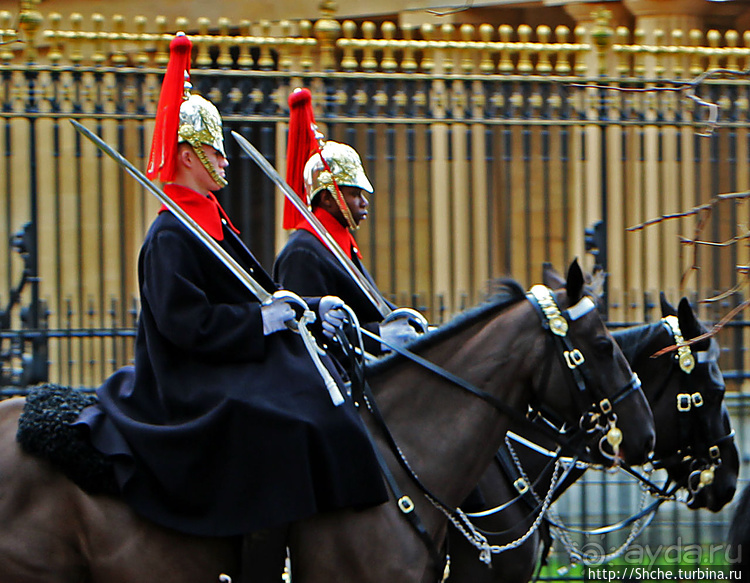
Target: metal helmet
<point>183,117</point>
<point>200,123</point>
<point>345,170</point>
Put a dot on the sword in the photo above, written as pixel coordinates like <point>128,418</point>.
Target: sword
<point>253,286</point>
<point>372,293</point>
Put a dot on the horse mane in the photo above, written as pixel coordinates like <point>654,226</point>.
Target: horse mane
<point>507,292</point>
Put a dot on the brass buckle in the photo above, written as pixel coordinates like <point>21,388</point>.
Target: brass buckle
<point>697,399</point>
<point>713,452</point>
<point>574,358</point>
<point>605,406</point>
<point>521,485</point>
<point>683,402</point>
<point>405,504</point>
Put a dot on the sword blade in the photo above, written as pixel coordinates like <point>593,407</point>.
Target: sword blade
<point>362,282</point>
<point>253,286</point>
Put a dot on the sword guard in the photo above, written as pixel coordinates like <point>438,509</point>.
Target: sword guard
<point>413,316</point>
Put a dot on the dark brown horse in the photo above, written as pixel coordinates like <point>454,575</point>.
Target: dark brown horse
<point>694,441</point>
<point>53,532</point>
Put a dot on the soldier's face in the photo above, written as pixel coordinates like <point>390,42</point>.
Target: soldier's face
<point>357,202</point>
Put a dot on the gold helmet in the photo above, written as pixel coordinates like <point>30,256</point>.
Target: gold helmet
<point>342,165</point>
<point>183,117</point>
<point>200,123</point>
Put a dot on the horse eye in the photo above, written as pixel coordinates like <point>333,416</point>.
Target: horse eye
<point>604,347</point>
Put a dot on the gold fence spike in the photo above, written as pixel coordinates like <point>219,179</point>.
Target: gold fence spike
<point>696,37</point>
<point>348,30</point>
<point>368,52</point>
<point>245,58</point>
<point>447,31</point>
<point>141,38</point>
<point>732,38</point>
<point>543,33</point>
<point>714,38</point>
<point>327,30</point>
<point>74,40</point>
<point>639,66</point>
<point>265,60</point>
<point>579,64</point>
<point>428,55</point>
<point>506,63</point>
<point>678,68</point>
<point>161,58</point>
<point>659,67</point>
<point>467,32</point>
<point>305,31</point>
<point>524,62</point>
<point>203,58</point>
<point>388,62</point>
<point>408,62</point>
<point>285,59</point>
<point>119,55</point>
<point>562,64</point>
<point>224,60</point>
<point>29,20</point>
<point>486,64</point>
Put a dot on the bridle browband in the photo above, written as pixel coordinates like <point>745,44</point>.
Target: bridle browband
<point>557,323</point>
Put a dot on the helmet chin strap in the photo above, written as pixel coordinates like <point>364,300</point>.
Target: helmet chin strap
<point>343,207</point>
<point>338,196</point>
<point>198,149</point>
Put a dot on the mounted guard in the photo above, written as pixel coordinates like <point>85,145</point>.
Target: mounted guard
<point>225,426</point>
<point>329,177</point>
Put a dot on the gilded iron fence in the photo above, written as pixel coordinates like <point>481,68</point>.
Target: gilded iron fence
<point>492,150</point>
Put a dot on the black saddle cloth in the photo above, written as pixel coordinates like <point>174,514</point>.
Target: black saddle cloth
<point>45,430</point>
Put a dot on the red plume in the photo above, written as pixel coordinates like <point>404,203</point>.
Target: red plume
<point>301,144</point>
<point>161,161</point>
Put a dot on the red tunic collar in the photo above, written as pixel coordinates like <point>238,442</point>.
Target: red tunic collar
<point>338,232</point>
<point>204,210</point>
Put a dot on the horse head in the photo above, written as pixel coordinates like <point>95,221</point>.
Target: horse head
<point>699,428</point>
<point>598,378</point>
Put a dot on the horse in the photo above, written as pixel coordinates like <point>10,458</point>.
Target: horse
<point>694,442</point>
<point>491,364</point>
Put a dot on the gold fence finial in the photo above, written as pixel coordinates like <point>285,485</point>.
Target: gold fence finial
<point>327,30</point>
<point>602,35</point>
<point>29,19</point>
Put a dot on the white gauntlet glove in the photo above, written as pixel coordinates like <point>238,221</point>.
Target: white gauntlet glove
<point>397,332</point>
<point>276,314</point>
<point>332,315</point>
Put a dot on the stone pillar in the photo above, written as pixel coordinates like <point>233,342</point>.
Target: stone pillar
<point>667,15</point>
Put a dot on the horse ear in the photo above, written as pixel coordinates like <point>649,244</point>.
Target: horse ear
<point>667,309</point>
<point>689,324</point>
<point>574,285</point>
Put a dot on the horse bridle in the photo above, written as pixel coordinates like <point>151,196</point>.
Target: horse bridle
<point>557,323</point>
<point>701,465</point>
<point>600,416</point>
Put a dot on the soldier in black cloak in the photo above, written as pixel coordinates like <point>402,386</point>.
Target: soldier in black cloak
<point>224,426</point>
<point>335,186</point>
